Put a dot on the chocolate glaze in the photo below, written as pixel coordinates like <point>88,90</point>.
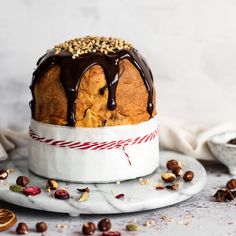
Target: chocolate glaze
<point>72,71</point>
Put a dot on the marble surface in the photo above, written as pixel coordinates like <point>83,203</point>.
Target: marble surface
<point>199,215</point>
<point>102,196</point>
<point>190,46</point>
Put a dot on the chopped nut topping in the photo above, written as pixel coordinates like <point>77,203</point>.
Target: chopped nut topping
<point>150,223</point>
<point>90,44</point>
<point>144,181</point>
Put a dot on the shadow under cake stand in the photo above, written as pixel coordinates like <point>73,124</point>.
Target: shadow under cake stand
<point>102,199</point>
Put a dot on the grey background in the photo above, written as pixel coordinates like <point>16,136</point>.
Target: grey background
<point>190,46</point>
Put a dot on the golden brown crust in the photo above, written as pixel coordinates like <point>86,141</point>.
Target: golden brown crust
<point>91,108</point>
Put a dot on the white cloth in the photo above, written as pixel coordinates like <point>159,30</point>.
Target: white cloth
<point>190,140</point>
<point>10,140</point>
<point>174,135</point>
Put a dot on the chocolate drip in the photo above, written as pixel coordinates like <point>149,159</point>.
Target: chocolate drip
<point>72,71</point>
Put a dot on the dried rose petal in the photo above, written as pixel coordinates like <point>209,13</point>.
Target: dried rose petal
<point>32,190</point>
<point>120,196</point>
<point>159,187</point>
<point>111,233</point>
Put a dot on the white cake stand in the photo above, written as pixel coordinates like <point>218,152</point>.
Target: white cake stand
<point>102,196</point>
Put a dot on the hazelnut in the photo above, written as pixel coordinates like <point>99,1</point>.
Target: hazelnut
<point>177,170</point>
<point>3,174</point>
<point>188,176</point>
<point>232,141</point>
<point>52,184</point>
<point>41,227</point>
<point>171,164</point>
<point>231,184</point>
<point>89,228</point>
<point>168,177</point>
<point>22,181</point>
<point>224,195</point>
<point>104,224</point>
<point>22,228</point>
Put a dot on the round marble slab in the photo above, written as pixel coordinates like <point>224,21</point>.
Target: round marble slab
<point>102,196</point>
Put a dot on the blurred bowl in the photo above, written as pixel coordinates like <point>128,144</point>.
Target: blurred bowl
<point>223,151</point>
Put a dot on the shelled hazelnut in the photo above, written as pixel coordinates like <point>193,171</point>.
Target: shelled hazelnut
<point>168,177</point>
<point>3,174</point>
<point>52,184</point>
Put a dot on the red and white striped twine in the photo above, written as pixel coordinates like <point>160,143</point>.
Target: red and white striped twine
<point>106,145</point>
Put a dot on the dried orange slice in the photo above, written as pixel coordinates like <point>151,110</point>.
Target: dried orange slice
<point>7,219</point>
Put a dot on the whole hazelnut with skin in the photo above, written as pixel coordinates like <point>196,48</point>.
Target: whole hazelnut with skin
<point>88,228</point>
<point>22,228</point>
<point>104,224</point>
<point>177,170</point>
<point>188,176</point>
<point>3,174</point>
<point>231,184</point>
<point>171,164</point>
<point>41,227</point>
<point>168,177</point>
<point>22,181</point>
